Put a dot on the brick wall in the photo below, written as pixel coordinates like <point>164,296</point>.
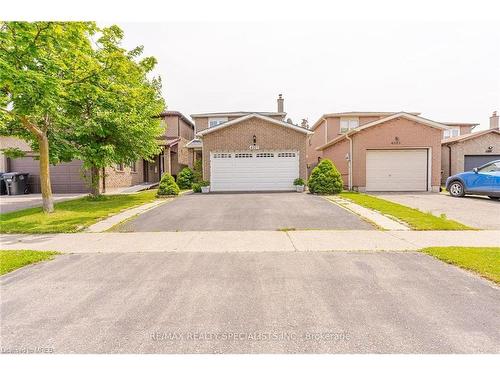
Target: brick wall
<point>239,137</point>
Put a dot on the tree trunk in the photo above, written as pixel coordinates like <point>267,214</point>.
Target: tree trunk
<point>47,199</point>
<point>94,185</point>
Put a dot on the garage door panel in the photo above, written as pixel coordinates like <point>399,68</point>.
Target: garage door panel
<point>396,170</point>
<point>253,173</point>
<point>475,161</point>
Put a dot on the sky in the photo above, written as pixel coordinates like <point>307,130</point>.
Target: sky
<point>447,70</point>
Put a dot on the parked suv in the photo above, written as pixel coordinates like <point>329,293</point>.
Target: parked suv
<point>484,180</point>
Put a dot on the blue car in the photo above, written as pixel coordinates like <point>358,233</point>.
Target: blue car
<point>484,180</point>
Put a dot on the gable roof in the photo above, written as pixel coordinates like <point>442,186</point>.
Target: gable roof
<point>254,115</point>
<point>178,114</point>
<point>466,137</point>
<point>237,113</point>
<point>355,114</point>
<point>406,115</point>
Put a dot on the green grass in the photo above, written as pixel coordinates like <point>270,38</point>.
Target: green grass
<point>71,216</point>
<point>14,259</point>
<point>415,219</point>
<point>482,260</point>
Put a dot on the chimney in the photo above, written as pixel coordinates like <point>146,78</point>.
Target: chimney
<point>281,107</point>
<point>494,121</point>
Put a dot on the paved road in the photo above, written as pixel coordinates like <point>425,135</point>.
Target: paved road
<point>475,211</point>
<point>249,303</point>
<point>245,211</point>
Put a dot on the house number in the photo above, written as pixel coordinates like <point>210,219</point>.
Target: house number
<point>396,141</point>
<point>254,147</point>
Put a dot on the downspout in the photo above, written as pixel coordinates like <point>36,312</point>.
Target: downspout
<point>349,164</point>
<point>449,160</point>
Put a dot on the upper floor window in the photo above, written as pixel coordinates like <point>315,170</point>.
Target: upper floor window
<point>214,121</point>
<point>119,166</point>
<point>451,132</point>
<point>348,123</point>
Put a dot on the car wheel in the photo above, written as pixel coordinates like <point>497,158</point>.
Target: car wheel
<point>494,198</point>
<point>456,189</point>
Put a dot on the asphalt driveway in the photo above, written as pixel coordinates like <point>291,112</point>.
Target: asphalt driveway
<point>475,211</point>
<point>245,211</point>
<point>249,303</point>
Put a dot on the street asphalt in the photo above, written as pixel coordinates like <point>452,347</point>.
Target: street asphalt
<point>245,212</point>
<point>342,302</point>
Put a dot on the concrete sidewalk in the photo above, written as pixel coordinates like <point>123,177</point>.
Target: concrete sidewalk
<point>246,241</point>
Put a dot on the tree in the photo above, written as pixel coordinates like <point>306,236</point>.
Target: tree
<point>118,108</point>
<point>40,63</point>
<point>325,179</point>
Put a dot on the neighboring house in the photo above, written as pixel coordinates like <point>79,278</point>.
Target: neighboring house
<point>470,150</point>
<point>380,151</point>
<point>70,177</point>
<point>249,151</point>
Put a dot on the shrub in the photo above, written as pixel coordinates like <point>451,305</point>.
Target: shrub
<point>167,186</point>
<point>298,182</point>
<point>325,179</point>
<point>197,186</point>
<point>185,178</point>
<point>198,170</point>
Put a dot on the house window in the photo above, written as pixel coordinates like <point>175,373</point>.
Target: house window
<point>243,155</point>
<point>119,166</point>
<point>214,121</point>
<point>451,132</point>
<point>348,123</point>
<point>133,167</point>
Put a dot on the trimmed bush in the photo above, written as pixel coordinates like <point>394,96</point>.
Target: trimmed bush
<point>298,182</point>
<point>197,186</point>
<point>167,186</point>
<point>325,179</point>
<point>198,170</point>
<point>185,178</point>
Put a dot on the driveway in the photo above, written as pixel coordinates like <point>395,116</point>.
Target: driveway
<point>243,212</point>
<point>249,303</point>
<point>475,211</point>
<point>9,203</point>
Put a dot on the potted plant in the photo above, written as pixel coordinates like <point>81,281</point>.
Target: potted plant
<point>205,186</point>
<point>299,185</point>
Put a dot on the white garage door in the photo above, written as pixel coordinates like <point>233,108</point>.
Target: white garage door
<point>253,170</point>
<point>396,170</point>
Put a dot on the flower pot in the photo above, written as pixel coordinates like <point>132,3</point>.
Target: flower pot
<point>300,188</point>
<point>205,189</point>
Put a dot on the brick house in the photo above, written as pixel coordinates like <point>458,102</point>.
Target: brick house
<point>249,151</point>
<point>381,151</point>
<point>71,178</point>
<point>467,150</point>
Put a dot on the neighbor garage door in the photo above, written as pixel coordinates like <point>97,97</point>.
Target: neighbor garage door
<point>253,170</point>
<point>65,177</point>
<point>396,170</point>
<point>474,161</point>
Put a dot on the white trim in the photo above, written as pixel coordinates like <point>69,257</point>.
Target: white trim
<point>356,114</point>
<point>408,116</point>
<point>254,115</point>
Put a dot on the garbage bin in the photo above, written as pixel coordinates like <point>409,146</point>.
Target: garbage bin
<point>3,188</point>
<point>16,183</point>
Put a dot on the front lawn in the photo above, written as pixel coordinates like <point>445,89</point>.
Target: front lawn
<point>14,259</point>
<point>483,260</point>
<point>71,216</point>
<point>416,219</point>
